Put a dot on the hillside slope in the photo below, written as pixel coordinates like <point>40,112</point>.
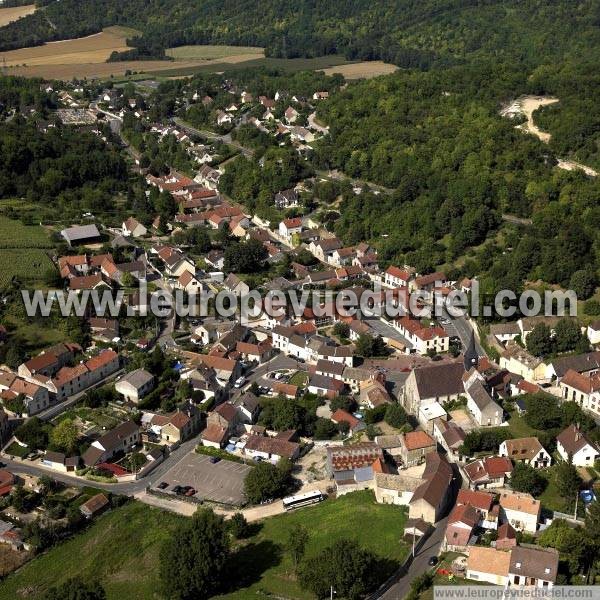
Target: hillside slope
<point>410,33</point>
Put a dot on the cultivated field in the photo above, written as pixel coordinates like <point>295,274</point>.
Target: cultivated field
<point>94,48</point>
<point>8,15</point>
<point>225,53</point>
<point>362,70</point>
<point>22,252</point>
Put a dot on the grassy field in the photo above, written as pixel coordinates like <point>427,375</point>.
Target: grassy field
<point>8,15</point>
<point>363,70</point>
<point>264,569</point>
<point>289,65</point>
<point>214,52</point>
<point>121,549</point>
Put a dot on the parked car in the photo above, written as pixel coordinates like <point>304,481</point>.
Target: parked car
<point>433,561</point>
<point>239,382</point>
<point>162,485</point>
<point>214,459</point>
<point>190,492</point>
<point>177,489</point>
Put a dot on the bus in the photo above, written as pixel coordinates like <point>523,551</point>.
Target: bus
<point>305,499</point>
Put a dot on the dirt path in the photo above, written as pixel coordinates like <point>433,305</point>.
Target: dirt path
<point>526,106</point>
<point>529,104</point>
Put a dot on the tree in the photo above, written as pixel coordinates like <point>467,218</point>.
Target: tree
<point>346,566</point>
<point>567,480</point>
<point>542,411</point>
<point>395,415</point>
<point>568,336</point>
<point>525,478</point>
<point>367,345</point>
<point>591,308</point>
<point>33,433</point>
<point>539,340</point>
<point>297,540</point>
<point>325,429</point>
<point>341,329</point>
<point>346,403</point>
<point>193,558</point>
<point>245,257</point>
<point>65,435</point>
<point>264,482</point>
<point>570,541</point>
<point>238,526</point>
<point>583,283</point>
<point>375,415</point>
<point>76,589</point>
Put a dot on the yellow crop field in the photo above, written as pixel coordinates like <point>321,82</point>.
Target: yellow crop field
<point>362,70</point>
<point>223,53</point>
<point>8,15</point>
<point>94,48</point>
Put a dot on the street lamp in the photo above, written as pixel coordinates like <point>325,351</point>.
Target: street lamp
<point>331,592</point>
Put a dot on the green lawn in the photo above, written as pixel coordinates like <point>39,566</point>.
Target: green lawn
<point>299,378</point>
<point>519,428</point>
<point>121,549</point>
<point>264,569</point>
<point>17,450</point>
<point>208,52</point>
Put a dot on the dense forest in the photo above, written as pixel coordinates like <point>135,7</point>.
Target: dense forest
<point>410,33</point>
<point>68,170</point>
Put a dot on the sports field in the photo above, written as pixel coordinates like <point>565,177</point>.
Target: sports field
<point>8,15</point>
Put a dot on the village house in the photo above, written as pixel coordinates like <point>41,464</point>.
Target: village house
<point>536,567</point>
<point>488,565</point>
<point>489,472</point>
<point>286,198</point>
<point>236,286</point>
<point>395,277</point>
<point>527,450</point>
<point>289,227</point>
<point>272,449</point>
<point>521,510</point>
<point>429,282</point>
<point>517,360</point>
<point>414,445</point>
<point>214,436</point>
<point>439,382</point>
<point>483,503</point>
<point>135,385</point>
<point>35,397</point>
<point>351,467</point>
<point>430,500</point>
<point>449,436</point>
<point>120,439</point>
<point>133,228</point>
<point>460,528</point>
<point>322,385</point>
<point>94,506</point>
<point>507,537</point>
<point>60,462</point>
<point>248,407</point>
<point>480,404</point>
<point>342,416</point>
<point>584,389</point>
<point>573,445</point>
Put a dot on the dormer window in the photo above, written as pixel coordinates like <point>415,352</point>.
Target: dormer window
<point>546,570</point>
<point>518,565</point>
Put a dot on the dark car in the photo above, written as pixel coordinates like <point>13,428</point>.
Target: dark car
<point>177,489</point>
<point>214,459</point>
<point>433,561</point>
<point>162,485</point>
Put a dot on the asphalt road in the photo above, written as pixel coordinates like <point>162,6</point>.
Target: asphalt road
<point>129,488</point>
<point>419,565</point>
<point>226,139</point>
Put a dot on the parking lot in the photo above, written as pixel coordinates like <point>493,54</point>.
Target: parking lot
<point>222,482</point>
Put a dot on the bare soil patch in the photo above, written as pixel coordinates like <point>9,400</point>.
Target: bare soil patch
<point>362,70</point>
<point>8,15</point>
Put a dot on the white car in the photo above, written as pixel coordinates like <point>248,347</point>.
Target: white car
<point>239,382</point>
